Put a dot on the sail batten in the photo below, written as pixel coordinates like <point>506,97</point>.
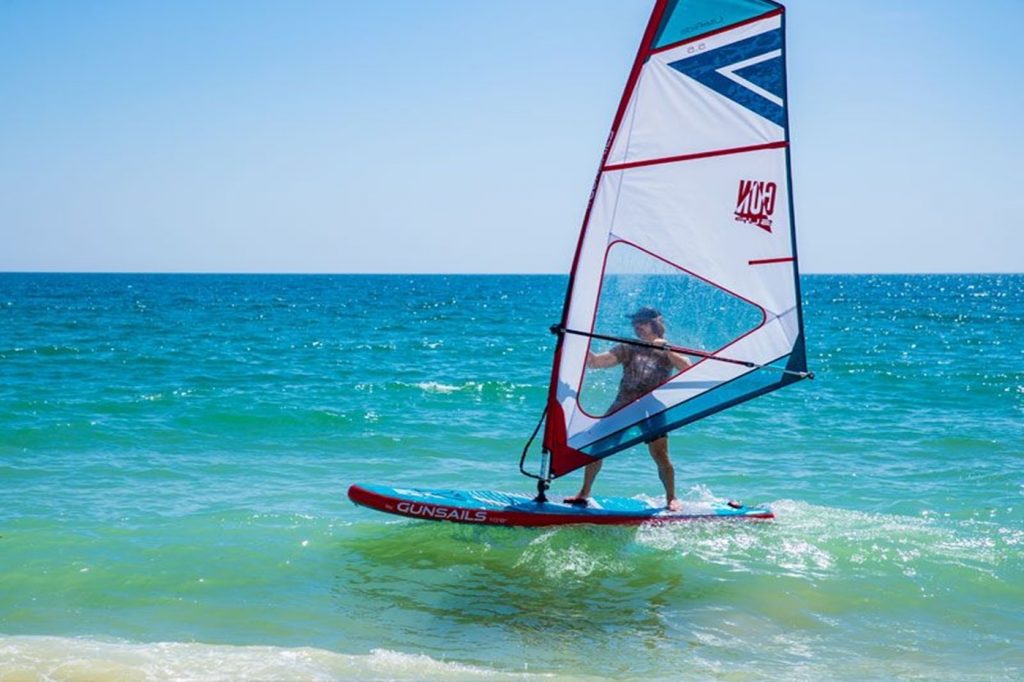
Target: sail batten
<point>690,217</point>
<point>694,156</point>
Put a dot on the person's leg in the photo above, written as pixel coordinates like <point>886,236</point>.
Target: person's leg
<point>589,474</point>
<point>666,472</point>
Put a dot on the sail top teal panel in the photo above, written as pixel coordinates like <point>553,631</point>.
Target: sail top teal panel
<point>688,18</point>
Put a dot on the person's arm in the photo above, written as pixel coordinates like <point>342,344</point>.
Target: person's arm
<point>599,360</point>
<point>607,359</point>
<point>678,360</point>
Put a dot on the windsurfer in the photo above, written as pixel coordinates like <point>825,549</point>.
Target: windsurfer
<point>643,370</point>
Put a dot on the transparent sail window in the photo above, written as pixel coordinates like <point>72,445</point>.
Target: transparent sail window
<point>691,313</point>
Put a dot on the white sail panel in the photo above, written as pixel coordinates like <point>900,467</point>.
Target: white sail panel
<point>686,213</point>
<point>672,114</point>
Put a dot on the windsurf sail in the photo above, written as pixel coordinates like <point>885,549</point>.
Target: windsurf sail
<point>691,216</point>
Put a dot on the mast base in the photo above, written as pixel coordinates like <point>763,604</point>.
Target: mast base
<point>542,486</point>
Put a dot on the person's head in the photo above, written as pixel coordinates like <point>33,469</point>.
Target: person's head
<point>648,320</point>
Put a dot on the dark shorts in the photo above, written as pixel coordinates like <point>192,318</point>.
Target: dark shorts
<point>654,425</point>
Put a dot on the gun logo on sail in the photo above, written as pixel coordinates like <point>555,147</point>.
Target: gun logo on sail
<point>755,203</point>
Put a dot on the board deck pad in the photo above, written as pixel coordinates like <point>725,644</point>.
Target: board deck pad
<point>488,507</point>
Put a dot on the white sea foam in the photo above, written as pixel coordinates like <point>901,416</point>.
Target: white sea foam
<point>814,542</point>
<point>437,387</point>
<point>72,659</point>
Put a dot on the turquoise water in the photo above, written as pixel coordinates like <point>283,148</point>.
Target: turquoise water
<point>174,454</point>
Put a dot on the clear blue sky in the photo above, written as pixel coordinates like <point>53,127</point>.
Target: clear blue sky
<point>463,135</point>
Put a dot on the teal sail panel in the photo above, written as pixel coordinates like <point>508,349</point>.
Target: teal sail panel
<point>685,19</point>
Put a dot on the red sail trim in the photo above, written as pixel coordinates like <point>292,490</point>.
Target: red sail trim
<point>552,444</point>
<point>564,459</point>
<point>722,29</point>
<point>781,144</point>
<point>643,53</point>
<point>766,261</point>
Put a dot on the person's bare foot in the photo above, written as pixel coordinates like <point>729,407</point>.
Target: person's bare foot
<point>674,504</point>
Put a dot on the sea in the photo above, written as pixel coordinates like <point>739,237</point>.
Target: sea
<point>175,452</point>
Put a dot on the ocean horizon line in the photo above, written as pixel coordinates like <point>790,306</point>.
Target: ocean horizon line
<point>254,273</point>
